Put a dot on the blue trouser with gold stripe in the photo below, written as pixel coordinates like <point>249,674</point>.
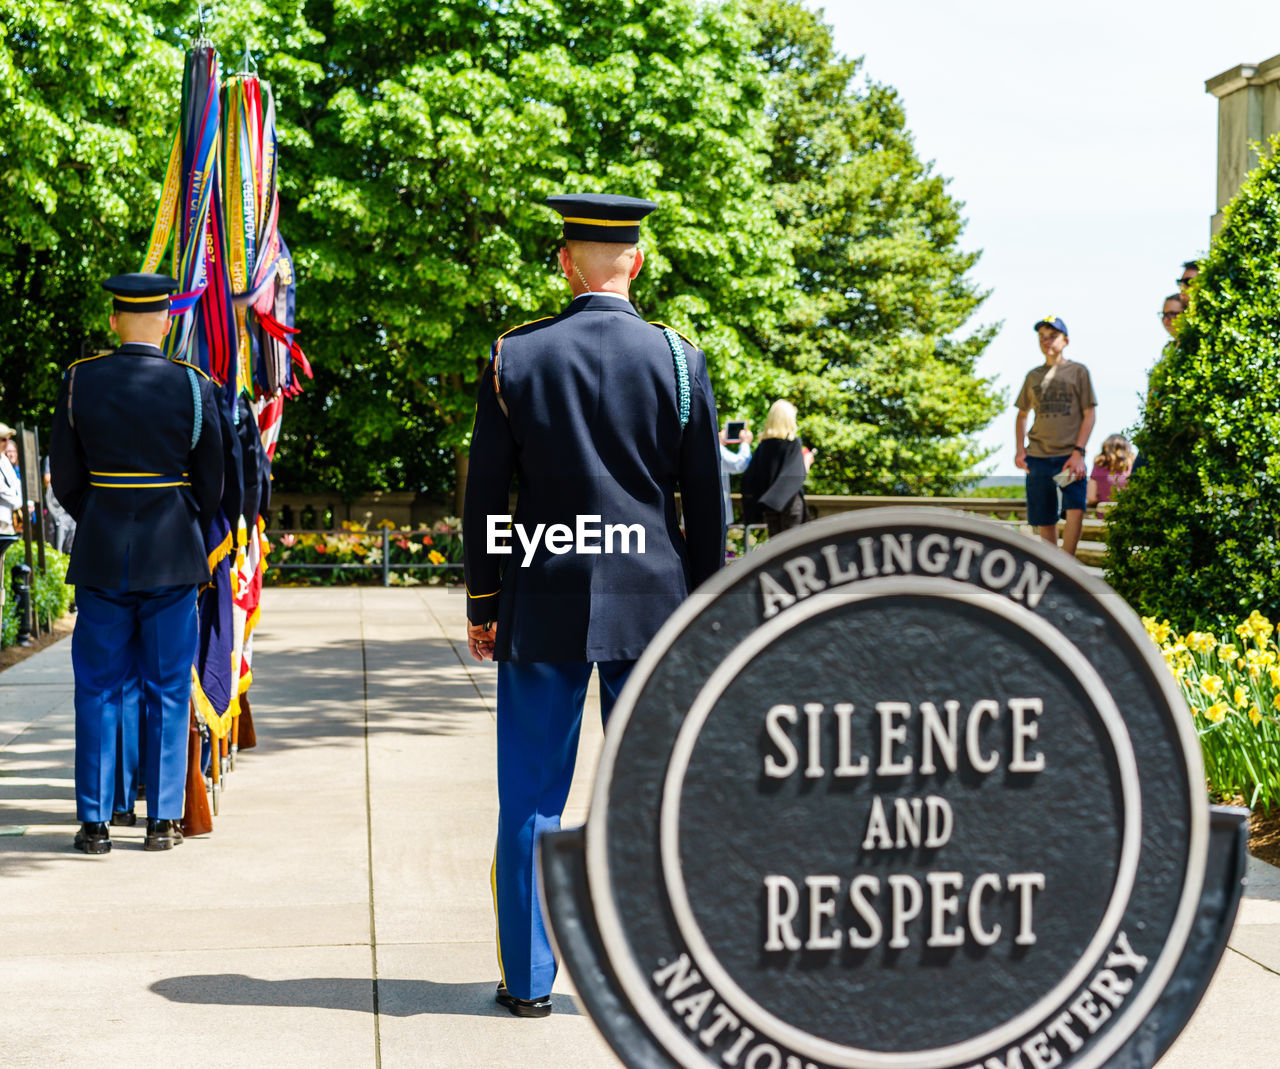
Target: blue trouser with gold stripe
<point>539,721</point>
<point>126,641</point>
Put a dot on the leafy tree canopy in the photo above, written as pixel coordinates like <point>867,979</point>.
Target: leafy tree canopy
<point>801,241</point>
<point>1195,537</point>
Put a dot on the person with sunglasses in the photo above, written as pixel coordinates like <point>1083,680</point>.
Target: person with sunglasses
<point>1190,268</point>
<point>1174,305</point>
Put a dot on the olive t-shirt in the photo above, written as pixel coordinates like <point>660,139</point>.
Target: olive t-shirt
<point>1059,394</point>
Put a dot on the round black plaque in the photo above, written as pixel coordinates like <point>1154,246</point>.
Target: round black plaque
<point>902,790</point>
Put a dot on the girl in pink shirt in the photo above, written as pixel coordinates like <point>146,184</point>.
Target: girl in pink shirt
<point>1111,469</point>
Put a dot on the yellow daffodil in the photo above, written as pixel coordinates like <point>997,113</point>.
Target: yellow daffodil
<point>1200,641</point>
<point>1274,673</point>
<point>1260,626</point>
<point>1217,712</point>
<point>1239,695</point>
<point>1211,685</point>
<point>1227,654</point>
<point>435,557</point>
<point>1255,714</point>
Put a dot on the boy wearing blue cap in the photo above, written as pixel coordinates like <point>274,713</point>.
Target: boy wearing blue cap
<point>1053,454</point>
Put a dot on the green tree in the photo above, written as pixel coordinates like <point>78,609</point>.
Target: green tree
<point>423,159</point>
<point>1196,535</point>
<point>887,377</point>
<point>88,103</point>
<point>800,241</point>
<point>87,93</point>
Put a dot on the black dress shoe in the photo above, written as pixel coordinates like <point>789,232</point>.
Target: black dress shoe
<point>162,834</point>
<point>523,1007</point>
<point>93,838</point>
<point>124,820</point>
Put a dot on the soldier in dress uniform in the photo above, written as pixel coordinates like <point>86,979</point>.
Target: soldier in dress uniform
<point>136,458</point>
<point>601,418</point>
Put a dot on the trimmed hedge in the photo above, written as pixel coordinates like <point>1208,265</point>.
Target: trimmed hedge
<point>1195,537</point>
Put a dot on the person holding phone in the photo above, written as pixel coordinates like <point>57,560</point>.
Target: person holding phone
<point>733,462</point>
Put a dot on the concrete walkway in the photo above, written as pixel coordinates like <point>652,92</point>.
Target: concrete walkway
<point>339,915</point>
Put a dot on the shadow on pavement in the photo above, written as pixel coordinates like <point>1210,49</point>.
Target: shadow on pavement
<point>307,697</point>
<point>396,998</point>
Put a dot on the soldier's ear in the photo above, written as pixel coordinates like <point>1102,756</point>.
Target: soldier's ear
<point>635,267</point>
<point>168,323</point>
<point>111,322</point>
<point>566,262</point>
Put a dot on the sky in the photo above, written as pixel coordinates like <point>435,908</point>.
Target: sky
<point>1084,147</point>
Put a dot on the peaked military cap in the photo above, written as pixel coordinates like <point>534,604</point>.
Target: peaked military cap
<point>139,292</point>
<point>601,216</point>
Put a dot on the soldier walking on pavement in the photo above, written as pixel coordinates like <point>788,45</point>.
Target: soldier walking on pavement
<point>136,458</point>
<point>601,418</point>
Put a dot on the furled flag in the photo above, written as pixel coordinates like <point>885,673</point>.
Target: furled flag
<point>188,223</point>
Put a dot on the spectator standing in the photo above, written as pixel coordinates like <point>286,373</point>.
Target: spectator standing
<point>10,487</point>
<point>733,462</point>
<point>10,499</point>
<point>773,486</point>
<point>60,528</point>
<point>1111,469</point>
<point>1190,268</point>
<point>1061,393</point>
<point>1174,305</point>
<point>21,516</point>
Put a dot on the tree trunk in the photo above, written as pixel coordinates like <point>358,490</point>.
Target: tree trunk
<point>460,459</point>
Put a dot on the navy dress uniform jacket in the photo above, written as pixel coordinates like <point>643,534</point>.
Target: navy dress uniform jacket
<point>591,430</point>
<point>132,412</point>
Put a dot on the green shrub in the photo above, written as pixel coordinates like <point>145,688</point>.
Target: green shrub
<point>1013,493</point>
<point>1196,535</point>
<point>50,596</point>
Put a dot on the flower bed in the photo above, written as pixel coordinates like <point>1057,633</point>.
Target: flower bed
<point>353,554</point>
<point>1233,689</point>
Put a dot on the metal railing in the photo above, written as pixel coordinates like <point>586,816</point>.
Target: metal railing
<point>383,567</point>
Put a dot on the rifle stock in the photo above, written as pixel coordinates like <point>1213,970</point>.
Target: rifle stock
<point>248,738</point>
<point>196,818</point>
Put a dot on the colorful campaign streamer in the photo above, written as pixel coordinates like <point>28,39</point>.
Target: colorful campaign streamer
<point>184,216</point>
<point>217,225</point>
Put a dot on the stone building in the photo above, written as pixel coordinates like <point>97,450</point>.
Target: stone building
<point>1248,113</point>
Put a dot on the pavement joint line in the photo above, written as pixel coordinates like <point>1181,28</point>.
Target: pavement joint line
<point>38,683</point>
<point>1260,965</point>
<point>465,667</point>
<point>249,948</point>
<point>368,817</point>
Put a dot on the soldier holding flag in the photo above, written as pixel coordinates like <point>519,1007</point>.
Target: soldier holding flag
<point>136,458</point>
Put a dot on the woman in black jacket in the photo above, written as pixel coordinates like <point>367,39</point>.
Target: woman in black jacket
<point>773,485</point>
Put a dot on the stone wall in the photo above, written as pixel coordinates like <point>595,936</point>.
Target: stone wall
<point>319,511</point>
<point>1248,112</point>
